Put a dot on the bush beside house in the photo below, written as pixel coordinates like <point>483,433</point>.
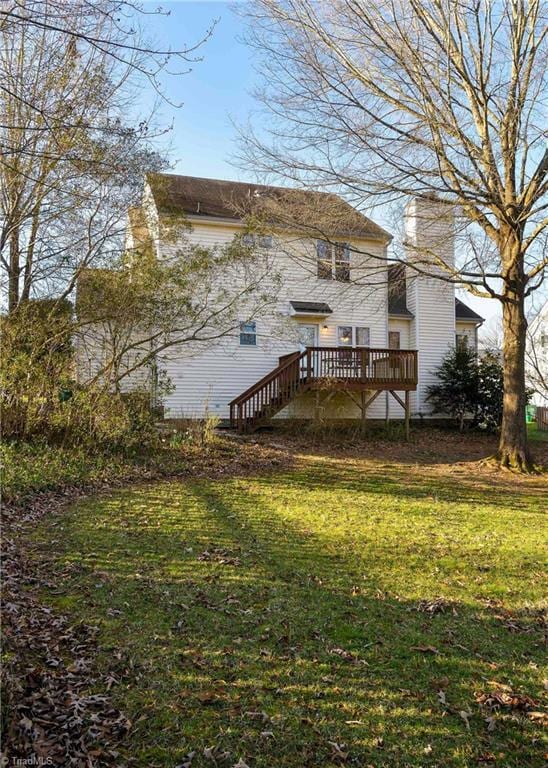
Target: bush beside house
<point>469,389</point>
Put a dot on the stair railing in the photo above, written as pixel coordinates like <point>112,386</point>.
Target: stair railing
<point>275,389</point>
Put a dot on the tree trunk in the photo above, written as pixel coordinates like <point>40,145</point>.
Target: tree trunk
<point>513,450</point>
<point>14,271</point>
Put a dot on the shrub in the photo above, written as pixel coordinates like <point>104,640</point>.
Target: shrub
<point>36,365</point>
<point>40,397</point>
<point>469,387</point>
<point>456,392</point>
<point>490,391</point>
<point>198,432</point>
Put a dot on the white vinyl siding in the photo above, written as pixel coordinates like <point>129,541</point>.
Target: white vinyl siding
<point>210,377</point>
<point>467,331</point>
<point>432,301</point>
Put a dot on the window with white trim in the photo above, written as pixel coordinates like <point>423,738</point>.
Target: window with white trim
<point>333,261</point>
<point>362,337</point>
<point>342,262</point>
<point>251,240</point>
<point>344,335</point>
<point>461,340</point>
<point>353,336</point>
<point>248,334</point>
<point>394,340</point>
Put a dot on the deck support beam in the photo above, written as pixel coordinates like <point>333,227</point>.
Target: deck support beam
<point>406,407</point>
<point>363,404</point>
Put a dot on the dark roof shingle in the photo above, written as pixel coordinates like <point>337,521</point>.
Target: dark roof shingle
<point>464,312</point>
<point>319,211</point>
<point>313,307</point>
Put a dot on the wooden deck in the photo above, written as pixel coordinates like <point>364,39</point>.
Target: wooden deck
<point>363,371</point>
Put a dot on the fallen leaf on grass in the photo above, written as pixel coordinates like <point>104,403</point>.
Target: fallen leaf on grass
<point>538,717</point>
<point>212,697</point>
<point>187,760</point>
<point>466,717</point>
<point>505,698</point>
<point>215,753</point>
<point>347,656</point>
<point>424,648</point>
<point>439,605</point>
<point>338,750</point>
<point>257,716</point>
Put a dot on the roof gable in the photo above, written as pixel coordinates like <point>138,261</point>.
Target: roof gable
<point>464,312</point>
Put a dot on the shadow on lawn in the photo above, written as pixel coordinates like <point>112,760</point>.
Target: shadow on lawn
<point>250,634</point>
<point>419,483</point>
<point>428,446</point>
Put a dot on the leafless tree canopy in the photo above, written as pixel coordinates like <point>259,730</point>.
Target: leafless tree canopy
<point>441,99</point>
<point>74,145</point>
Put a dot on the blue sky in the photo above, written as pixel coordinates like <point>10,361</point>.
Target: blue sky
<point>214,93</point>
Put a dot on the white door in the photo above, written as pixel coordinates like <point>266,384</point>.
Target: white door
<point>308,336</point>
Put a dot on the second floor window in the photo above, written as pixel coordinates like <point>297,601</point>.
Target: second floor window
<point>333,261</point>
<point>257,241</point>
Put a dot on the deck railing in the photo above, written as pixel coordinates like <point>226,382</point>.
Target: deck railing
<point>377,368</point>
<point>362,365</point>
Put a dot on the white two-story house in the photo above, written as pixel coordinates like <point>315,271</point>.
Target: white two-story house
<point>349,336</point>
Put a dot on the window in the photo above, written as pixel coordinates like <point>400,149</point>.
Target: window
<point>461,340</point>
<point>257,241</point>
<point>248,334</point>
<point>333,261</point>
<point>393,339</point>
<point>265,241</point>
<point>323,256</point>
<point>342,262</point>
<point>344,335</point>
<point>362,337</point>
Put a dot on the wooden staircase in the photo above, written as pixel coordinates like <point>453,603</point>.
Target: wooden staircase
<point>339,368</point>
<point>266,397</point>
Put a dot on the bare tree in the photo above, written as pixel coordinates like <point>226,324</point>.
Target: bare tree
<point>132,319</point>
<point>426,98</point>
<point>73,146</point>
<point>536,356</point>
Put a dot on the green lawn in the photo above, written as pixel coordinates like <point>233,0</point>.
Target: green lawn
<point>535,434</point>
<point>348,611</point>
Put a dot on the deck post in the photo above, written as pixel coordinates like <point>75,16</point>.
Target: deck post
<point>364,412</point>
<point>407,413</point>
<point>317,406</point>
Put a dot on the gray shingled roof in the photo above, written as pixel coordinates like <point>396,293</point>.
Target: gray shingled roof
<point>314,307</point>
<point>464,312</point>
<point>196,196</point>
